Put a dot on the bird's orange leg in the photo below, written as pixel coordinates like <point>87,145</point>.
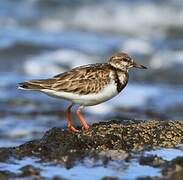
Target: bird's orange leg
<point>81,118</point>
<point>69,119</point>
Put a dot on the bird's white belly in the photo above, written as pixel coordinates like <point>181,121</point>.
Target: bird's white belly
<point>87,100</point>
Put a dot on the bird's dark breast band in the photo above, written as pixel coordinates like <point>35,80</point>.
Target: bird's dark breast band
<point>119,84</point>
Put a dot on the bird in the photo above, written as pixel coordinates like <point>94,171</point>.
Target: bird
<point>86,85</point>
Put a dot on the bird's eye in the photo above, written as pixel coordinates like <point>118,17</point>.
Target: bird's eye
<point>126,60</point>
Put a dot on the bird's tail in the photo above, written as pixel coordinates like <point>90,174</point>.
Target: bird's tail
<point>36,84</point>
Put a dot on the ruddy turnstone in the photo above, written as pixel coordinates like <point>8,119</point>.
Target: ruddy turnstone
<point>86,85</point>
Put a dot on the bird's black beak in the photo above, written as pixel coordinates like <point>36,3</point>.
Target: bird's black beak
<point>135,65</point>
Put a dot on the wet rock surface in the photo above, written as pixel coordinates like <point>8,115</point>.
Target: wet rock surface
<point>127,136</point>
<point>107,141</point>
<point>154,161</point>
<point>170,169</point>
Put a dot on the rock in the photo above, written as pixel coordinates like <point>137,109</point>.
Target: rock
<point>173,169</point>
<point>7,175</point>
<point>153,161</point>
<point>30,170</point>
<point>109,178</point>
<point>5,153</point>
<point>113,138</point>
<point>104,141</point>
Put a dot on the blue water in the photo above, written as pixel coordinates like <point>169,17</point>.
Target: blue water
<point>82,171</point>
<point>96,170</point>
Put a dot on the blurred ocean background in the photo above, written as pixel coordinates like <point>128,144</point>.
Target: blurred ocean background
<point>40,38</point>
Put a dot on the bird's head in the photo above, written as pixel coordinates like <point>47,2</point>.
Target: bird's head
<point>123,61</point>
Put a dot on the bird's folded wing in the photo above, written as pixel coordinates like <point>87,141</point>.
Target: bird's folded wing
<point>82,80</point>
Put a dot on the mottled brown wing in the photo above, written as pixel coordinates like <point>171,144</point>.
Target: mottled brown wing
<point>83,80</point>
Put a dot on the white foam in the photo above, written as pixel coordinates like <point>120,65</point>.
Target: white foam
<point>134,18</point>
<point>52,63</point>
<point>167,59</point>
<point>52,25</point>
<point>137,46</point>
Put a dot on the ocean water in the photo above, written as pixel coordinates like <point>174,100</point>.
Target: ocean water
<point>40,38</point>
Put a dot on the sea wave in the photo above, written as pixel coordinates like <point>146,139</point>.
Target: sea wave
<point>51,63</point>
<point>140,18</point>
<point>167,59</point>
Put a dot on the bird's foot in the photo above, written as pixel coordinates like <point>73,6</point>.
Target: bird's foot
<point>85,127</point>
<point>71,128</point>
